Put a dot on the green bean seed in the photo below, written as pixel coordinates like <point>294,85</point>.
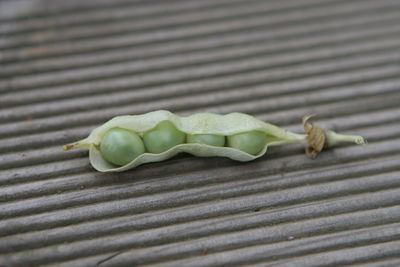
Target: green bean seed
<point>120,146</point>
<point>207,139</point>
<point>163,137</point>
<point>250,142</point>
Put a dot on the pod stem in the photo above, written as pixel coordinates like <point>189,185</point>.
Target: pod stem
<point>335,138</point>
<point>319,138</point>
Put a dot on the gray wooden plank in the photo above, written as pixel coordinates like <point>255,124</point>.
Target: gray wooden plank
<point>68,66</point>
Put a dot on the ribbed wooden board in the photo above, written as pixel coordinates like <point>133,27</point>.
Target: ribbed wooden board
<point>68,66</point>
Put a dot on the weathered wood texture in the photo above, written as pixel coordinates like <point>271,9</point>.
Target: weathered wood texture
<point>68,66</point>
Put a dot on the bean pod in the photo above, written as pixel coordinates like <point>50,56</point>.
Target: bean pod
<point>128,141</point>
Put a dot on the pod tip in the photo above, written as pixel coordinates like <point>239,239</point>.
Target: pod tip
<point>68,146</point>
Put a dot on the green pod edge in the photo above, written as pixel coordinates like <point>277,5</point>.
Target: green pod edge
<point>200,123</point>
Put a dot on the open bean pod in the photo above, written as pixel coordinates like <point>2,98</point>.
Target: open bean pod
<point>231,127</point>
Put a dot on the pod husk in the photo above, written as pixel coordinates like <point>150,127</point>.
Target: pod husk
<point>201,123</point>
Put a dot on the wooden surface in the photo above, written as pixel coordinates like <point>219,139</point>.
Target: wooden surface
<point>69,66</point>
